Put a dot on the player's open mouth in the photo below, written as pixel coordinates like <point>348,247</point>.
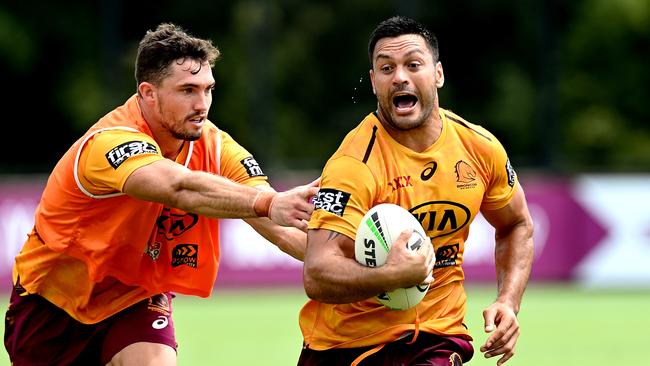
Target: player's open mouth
<point>404,103</point>
<point>197,120</point>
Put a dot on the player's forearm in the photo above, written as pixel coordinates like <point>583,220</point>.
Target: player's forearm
<point>214,196</point>
<point>199,192</point>
<point>290,240</point>
<point>340,280</point>
<point>514,258</point>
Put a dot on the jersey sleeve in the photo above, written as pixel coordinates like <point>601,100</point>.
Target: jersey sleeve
<point>238,165</point>
<point>503,180</point>
<point>110,157</point>
<point>348,190</point>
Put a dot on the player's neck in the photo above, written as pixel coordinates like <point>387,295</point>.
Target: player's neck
<point>169,145</point>
<point>419,138</point>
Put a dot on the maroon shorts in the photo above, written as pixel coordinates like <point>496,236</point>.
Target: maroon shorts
<point>39,333</point>
<point>429,349</point>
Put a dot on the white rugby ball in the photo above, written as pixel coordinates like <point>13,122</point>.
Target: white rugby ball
<point>378,229</point>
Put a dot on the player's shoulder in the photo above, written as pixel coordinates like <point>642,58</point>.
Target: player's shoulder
<point>359,140</point>
<point>118,144</point>
<point>212,131</point>
<point>210,126</point>
<point>468,129</point>
<point>120,133</point>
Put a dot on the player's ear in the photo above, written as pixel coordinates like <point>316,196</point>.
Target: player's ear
<point>147,91</point>
<point>372,81</point>
<point>440,75</point>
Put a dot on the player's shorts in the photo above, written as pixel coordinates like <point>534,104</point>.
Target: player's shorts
<point>428,349</point>
<point>39,333</point>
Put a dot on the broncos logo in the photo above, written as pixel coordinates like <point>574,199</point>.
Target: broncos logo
<point>464,172</point>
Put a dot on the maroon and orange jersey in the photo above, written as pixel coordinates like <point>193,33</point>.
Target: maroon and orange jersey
<point>466,170</point>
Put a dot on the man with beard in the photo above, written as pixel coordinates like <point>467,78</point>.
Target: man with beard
<point>445,171</point>
<point>129,215</point>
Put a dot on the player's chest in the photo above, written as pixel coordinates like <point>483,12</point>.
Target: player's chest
<point>443,192</point>
<point>459,178</point>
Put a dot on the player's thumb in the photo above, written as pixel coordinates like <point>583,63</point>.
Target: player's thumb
<point>404,237</point>
<point>488,318</point>
<point>315,183</point>
<point>311,189</point>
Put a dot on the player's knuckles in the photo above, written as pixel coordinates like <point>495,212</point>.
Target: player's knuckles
<point>309,209</point>
<point>507,349</point>
<point>403,238</point>
<point>511,336</point>
<point>495,344</point>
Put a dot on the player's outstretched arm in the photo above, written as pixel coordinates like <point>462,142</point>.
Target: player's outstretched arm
<point>513,258</point>
<point>288,239</point>
<point>207,194</point>
<point>331,275</point>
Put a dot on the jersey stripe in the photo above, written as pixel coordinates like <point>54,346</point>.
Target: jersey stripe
<point>370,144</point>
<point>462,123</point>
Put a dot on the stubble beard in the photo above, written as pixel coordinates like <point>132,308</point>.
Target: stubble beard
<point>175,128</point>
<point>386,110</point>
<point>186,135</point>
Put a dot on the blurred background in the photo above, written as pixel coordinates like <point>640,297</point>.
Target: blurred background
<point>564,85</point>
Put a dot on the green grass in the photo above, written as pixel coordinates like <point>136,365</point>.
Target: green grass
<point>561,325</point>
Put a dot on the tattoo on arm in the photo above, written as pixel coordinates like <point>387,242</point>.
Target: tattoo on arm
<point>332,235</point>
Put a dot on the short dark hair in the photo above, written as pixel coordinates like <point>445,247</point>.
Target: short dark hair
<point>168,43</point>
<point>400,25</point>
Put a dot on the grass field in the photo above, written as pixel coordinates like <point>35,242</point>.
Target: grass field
<point>561,325</point>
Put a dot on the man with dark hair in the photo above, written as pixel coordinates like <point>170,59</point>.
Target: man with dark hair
<point>444,170</point>
<point>129,215</point>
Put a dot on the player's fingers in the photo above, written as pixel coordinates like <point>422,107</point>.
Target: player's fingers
<point>507,350</point>
<point>431,256</point>
<point>403,238</point>
<point>304,206</point>
<point>314,183</point>
<point>497,335</point>
<point>505,332</point>
<point>429,279</point>
<point>489,343</point>
<point>300,225</point>
<point>505,358</point>
<point>488,319</point>
<point>310,191</point>
<point>488,325</point>
<point>303,215</point>
<point>304,193</point>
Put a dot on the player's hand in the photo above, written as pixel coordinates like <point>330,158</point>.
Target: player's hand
<point>410,267</point>
<point>501,321</point>
<point>294,207</point>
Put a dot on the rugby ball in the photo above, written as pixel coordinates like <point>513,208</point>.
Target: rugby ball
<point>378,229</point>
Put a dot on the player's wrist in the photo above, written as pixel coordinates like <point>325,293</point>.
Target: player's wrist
<point>263,202</point>
<point>508,303</point>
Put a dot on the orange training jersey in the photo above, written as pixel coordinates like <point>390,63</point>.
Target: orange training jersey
<point>444,187</point>
<point>95,251</point>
